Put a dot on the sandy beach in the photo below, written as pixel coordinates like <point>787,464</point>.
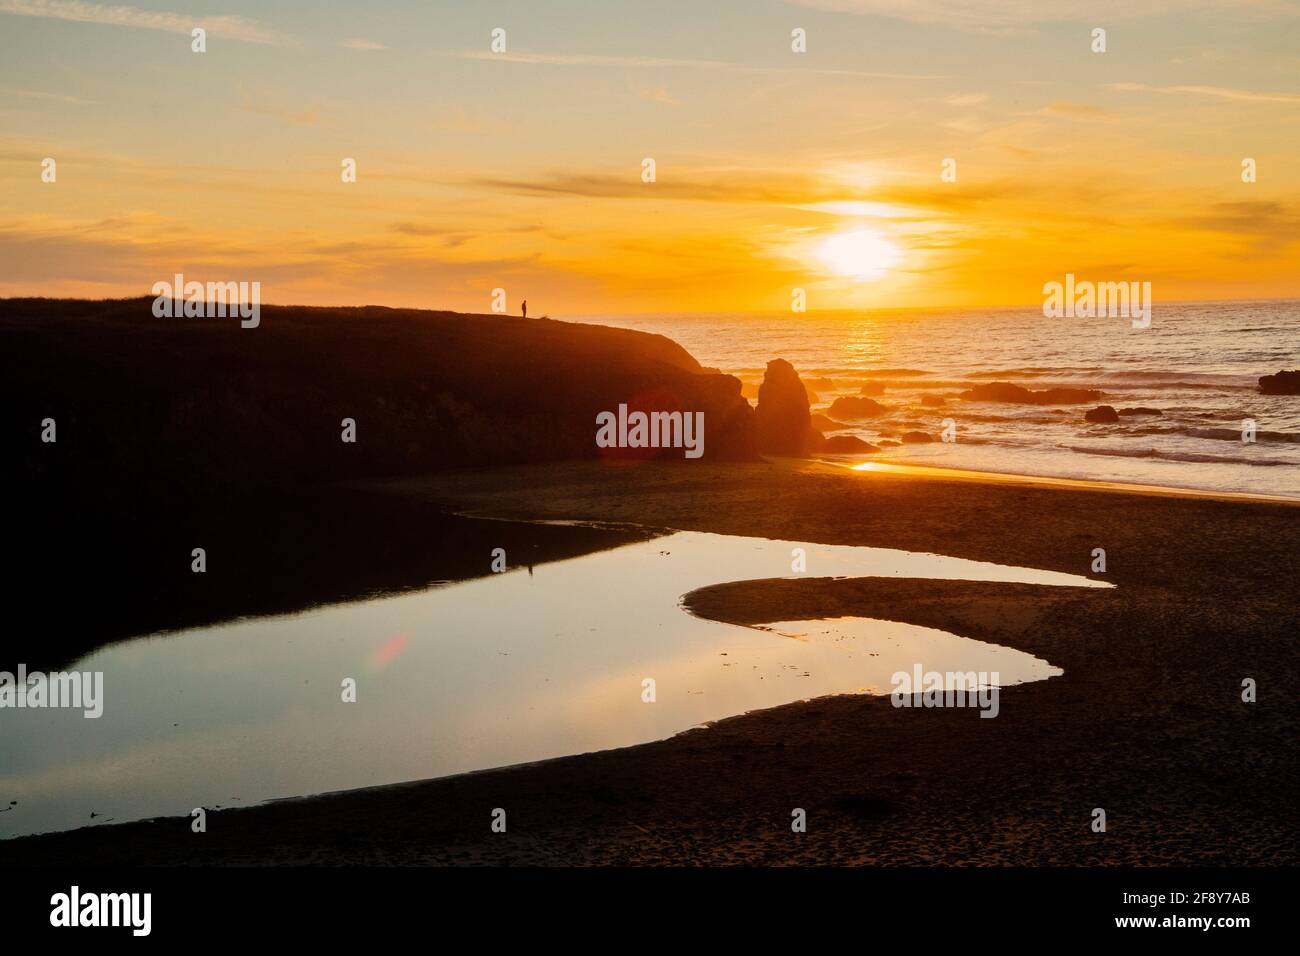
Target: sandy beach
<point>1147,720</point>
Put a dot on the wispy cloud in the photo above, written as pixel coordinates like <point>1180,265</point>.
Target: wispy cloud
<point>1011,15</point>
<point>653,62</point>
<point>451,238</point>
<point>1219,92</point>
<point>54,97</point>
<point>1073,110</point>
<point>230,27</point>
<point>1269,226</point>
<point>816,191</point>
<point>693,187</point>
<point>359,44</point>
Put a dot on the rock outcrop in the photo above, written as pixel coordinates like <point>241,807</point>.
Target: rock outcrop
<point>1283,383</point>
<point>215,408</point>
<point>1102,415</point>
<point>851,407</point>
<point>782,421</point>
<point>846,445</point>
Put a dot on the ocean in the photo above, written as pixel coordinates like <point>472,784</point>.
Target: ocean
<point>1197,365</point>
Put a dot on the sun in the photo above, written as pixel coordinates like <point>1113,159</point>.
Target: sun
<point>858,254</point>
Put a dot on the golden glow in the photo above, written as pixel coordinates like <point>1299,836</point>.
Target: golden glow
<point>858,254</point>
<point>928,183</point>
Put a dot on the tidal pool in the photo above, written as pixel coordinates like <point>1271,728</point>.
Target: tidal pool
<point>514,667</point>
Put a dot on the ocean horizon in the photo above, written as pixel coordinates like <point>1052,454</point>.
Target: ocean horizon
<point>1198,366</point>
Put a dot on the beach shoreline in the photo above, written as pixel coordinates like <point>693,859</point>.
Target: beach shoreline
<point>1081,484</point>
<point>1146,721</point>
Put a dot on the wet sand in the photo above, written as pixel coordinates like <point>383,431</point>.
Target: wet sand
<point>1146,722</point>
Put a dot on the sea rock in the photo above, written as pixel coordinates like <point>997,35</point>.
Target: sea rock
<point>851,407</point>
<point>847,445</point>
<point>824,424</point>
<point>1140,410</point>
<point>1102,415</point>
<point>782,421</point>
<point>1018,395</point>
<point>872,388</point>
<point>1283,383</point>
<point>731,434</point>
<point>933,401</point>
<point>750,391</point>
<point>916,438</point>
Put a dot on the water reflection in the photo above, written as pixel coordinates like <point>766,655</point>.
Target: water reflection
<point>515,667</point>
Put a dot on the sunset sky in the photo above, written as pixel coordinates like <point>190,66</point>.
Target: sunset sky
<point>775,170</point>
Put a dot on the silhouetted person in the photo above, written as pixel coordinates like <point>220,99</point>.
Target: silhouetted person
<point>525,308</point>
